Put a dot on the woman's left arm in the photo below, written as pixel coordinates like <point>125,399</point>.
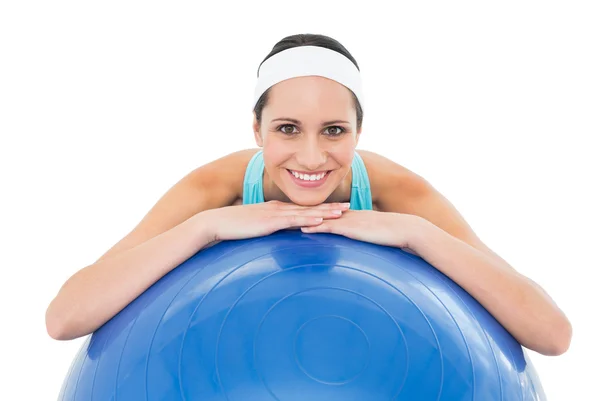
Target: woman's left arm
<point>415,216</point>
<point>444,239</point>
<point>518,303</point>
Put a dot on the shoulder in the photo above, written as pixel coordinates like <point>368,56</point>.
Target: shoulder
<point>226,173</point>
<point>397,189</point>
<point>212,185</point>
<point>392,183</point>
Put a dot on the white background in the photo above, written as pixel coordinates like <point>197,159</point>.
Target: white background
<point>105,105</point>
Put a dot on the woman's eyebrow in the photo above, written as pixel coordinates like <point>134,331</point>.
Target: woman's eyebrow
<point>299,123</point>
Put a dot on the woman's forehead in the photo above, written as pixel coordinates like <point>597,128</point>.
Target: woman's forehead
<point>312,94</point>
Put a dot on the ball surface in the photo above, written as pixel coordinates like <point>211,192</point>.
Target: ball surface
<point>294,316</point>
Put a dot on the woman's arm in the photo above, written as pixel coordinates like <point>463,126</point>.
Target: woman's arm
<point>519,304</point>
<point>445,239</point>
<point>171,232</point>
<point>193,214</point>
<point>96,293</point>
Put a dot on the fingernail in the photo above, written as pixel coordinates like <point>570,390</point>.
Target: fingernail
<point>346,204</point>
<point>336,212</point>
<point>318,219</point>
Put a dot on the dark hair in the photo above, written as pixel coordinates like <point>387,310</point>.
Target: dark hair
<point>308,39</point>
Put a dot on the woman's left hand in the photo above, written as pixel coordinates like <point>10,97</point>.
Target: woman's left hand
<point>382,228</point>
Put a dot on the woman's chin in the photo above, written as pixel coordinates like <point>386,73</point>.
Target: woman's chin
<point>307,199</point>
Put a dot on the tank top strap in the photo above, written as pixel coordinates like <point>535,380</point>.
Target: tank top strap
<point>360,195</point>
<point>253,180</point>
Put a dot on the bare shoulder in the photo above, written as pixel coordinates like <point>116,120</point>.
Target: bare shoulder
<point>213,185</point>
<point>225,173</point>
<point>392,182</point>
<point>397,189</point>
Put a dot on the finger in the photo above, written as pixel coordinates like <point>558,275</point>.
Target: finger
<point>323,206</point>
<point>324,213</point>
<point>294,220</point>
<point>325,227</point>
<point>334,205</point>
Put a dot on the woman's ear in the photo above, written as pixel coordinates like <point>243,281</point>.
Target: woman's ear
<point>257,135</point>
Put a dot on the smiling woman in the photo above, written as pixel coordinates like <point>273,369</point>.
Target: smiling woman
<point>308,143</point>
<point>308,118</point>
<point>310,178</point>
<point>307,174</point>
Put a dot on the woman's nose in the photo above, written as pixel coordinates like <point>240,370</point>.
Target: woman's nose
<point>311,156</point>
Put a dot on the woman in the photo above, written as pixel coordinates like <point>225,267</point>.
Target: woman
<point>306,174</point>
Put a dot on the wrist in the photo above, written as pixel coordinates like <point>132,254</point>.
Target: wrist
<point>421,230</point>
<point>204,227</point>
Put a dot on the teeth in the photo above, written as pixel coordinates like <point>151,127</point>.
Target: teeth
<point>308,177</point>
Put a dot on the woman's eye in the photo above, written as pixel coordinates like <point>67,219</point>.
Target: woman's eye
<point>334,131</point>
<point>286,129</point>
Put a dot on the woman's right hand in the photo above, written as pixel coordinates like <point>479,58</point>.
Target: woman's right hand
<point>257,220</point>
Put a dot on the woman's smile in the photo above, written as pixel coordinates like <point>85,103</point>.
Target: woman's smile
<point>307,179</point>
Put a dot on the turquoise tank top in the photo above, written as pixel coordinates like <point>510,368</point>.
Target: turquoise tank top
<point>360,195</point>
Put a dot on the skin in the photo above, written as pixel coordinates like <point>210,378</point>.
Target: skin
<point>296,133</point>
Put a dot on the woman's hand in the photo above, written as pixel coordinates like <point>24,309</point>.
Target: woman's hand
<point>248,221</point>
<point>383,228</point>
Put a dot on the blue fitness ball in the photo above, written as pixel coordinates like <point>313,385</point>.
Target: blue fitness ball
<point>309,317</point>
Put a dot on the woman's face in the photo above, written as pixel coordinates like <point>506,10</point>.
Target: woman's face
<point>308,134</point>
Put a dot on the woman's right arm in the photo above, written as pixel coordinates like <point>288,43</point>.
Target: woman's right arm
<point>171,232</point>
<point>96,293</point>
<point>190,216</point>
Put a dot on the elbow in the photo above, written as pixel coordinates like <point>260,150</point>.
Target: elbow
<point>59,325</point>
<point>557,338</point>
<point>55,326</point>
<point>66,317</point>
<point>564,334</point>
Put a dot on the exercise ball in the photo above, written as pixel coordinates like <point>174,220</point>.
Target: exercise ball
<point>309,317</point>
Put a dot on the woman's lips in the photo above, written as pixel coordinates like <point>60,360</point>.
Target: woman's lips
<point>309,180</point>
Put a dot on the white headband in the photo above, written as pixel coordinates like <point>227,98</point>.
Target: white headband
<point>303,61</point>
